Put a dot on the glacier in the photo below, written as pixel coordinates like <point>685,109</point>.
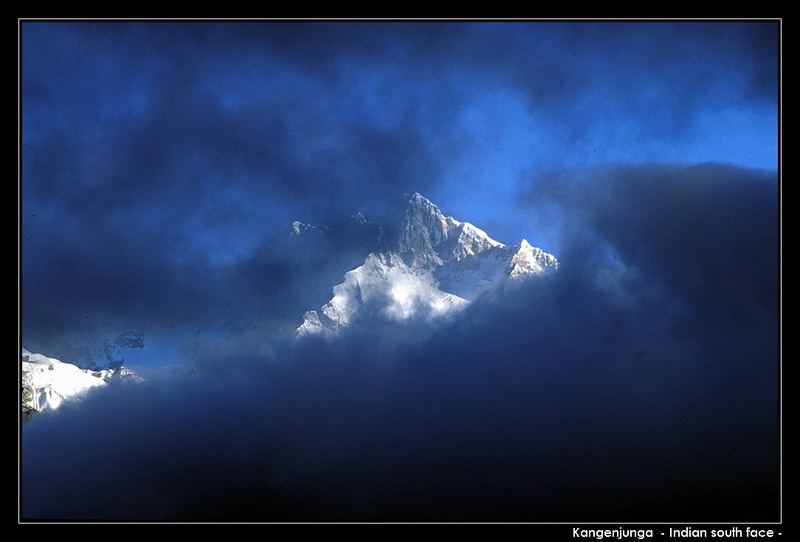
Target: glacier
<point>435,267</point>
<point>48,382</point>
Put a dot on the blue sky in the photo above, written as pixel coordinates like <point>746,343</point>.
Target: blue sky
<point>152,151</point>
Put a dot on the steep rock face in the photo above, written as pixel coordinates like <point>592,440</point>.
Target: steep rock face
<point>436,266</point>
<point>424,228</point>
<point>465,240</point>
<point>529,260</point>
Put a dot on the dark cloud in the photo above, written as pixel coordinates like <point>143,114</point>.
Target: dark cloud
<point>160,160</point>
<point>162,166</point>
<point>639,382</point>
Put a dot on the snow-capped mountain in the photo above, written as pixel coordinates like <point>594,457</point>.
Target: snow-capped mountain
<point>48,382</point>
<point>436,266</point>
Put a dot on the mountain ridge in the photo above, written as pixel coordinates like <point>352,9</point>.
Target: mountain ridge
<point>435,267</point>
<point>49,382</point>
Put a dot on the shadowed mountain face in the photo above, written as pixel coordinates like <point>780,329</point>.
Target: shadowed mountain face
<point>434,267</point>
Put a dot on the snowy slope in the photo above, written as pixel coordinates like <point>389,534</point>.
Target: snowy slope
<point>436,266</point>
<point>401,290</point>
<point>48,382</point>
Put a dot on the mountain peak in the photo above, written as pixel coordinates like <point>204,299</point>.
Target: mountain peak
<point>424,227</point>
<point>416,196</point>
<point>298,227</point>
<point>433,265</point>
<point>530,260</point>
<point>417,200</point>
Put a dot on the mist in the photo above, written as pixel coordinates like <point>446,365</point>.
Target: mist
<point>639,382</point>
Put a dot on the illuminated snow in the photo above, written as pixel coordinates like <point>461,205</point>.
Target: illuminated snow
<point>438,267</point>
<point>50,381</point>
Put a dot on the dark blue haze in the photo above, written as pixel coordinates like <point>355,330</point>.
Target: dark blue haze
<point>161,161</point>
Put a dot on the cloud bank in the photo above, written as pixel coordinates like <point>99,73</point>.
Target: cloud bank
<point>639,382</point>
<point>160,160</point>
